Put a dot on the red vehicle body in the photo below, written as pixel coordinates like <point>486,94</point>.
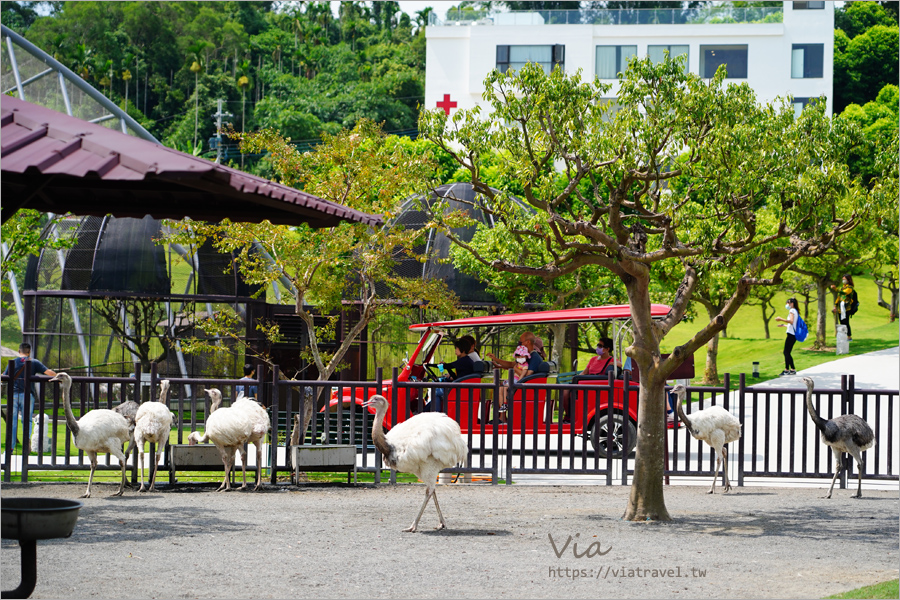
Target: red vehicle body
<point>529,411</point>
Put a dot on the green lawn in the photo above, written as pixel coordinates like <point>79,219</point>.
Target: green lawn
<point>746,337</point>
<point>888,589</point>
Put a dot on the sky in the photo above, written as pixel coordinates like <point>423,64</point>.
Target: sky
<point>413,6</point>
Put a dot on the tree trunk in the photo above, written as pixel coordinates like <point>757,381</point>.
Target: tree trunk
<point>646,502</point>
<point>559,339</point>
<point>823,312</point>
<point>765,320</point>
<point>711,374</point>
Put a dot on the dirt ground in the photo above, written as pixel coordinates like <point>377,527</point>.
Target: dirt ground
<point>334,541</point>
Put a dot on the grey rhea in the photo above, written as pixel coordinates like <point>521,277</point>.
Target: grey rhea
<point>846,433</point>
<point>715,426</point>
<point>423,444</point>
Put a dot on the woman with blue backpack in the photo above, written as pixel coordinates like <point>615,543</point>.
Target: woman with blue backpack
<point>791,323</point>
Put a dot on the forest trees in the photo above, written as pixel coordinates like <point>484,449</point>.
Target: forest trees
<point>686,172</point>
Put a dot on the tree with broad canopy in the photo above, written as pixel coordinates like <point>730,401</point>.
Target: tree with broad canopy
<point>677,170</point>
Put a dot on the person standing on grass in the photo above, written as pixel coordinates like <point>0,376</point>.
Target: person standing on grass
<point>844,302</point>
<point>16,369</point>
<point>790,322</point>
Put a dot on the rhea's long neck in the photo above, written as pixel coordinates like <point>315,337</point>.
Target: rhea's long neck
<point>819,421</point>
<point>67,405</point>
<point>379,439</point>
<point>684,417</point>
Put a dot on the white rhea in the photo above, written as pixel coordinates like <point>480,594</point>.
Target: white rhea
<point>39,433</point>
<point>715,426</point>
<point>423,444</point>
<point>846,433</point>
<point>100,430</point>
<point>259,419</point>
<point>227,428</point>
<point>152,424</point>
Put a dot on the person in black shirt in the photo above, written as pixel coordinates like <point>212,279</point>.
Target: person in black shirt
<point>16,369</point>
<point>460,367</point>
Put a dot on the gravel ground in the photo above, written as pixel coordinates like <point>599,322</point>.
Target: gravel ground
<point>333,541</point>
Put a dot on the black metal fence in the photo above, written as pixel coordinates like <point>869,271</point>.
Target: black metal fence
<point>778,437</point>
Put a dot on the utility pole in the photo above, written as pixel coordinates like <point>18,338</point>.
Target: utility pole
<point>219,114</point>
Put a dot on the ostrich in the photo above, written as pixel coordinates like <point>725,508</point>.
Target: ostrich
<point>846,433</point>
<point>100,430</point>
<point>260,421</point>
<point>715,426</point>
<point>152,424</point>
<point>423,445</point>
<point>227,428</point>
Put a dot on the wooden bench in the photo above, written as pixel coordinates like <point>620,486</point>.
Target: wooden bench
<point>325,457</point>
<point>199,457</point>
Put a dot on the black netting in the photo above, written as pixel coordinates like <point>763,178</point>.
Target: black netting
<point>129,260</point>
<point>436,247</point>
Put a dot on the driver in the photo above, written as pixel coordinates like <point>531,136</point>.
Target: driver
<point>460,367</point>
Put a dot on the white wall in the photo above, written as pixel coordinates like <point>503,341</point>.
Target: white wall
<point>459,57</point>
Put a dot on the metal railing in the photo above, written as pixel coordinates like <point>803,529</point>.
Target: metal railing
<point>778,437</point>
<point>637,16</point>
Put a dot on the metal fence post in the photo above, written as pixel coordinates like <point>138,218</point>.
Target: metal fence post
<point>275,404</point>
<point>843,411</point>
<point>137,398</point>
<point>741,385</point>
<point>8,450</point>
<point>26,423</point>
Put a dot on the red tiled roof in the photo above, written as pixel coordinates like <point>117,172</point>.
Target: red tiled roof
<point>56,163</point>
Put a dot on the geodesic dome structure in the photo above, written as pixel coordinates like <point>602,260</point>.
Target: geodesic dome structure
<point>460,196</point>
<point>117,281</point>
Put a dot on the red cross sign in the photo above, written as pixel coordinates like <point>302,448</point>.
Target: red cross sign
<point>446,104</point>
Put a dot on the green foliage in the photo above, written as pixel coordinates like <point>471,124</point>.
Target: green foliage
<point>363,169</point>
<point>864,65</point>
<point>306,72</point>
<point>888,589</point>
<point>854,18</point>
<point>685,172</point>
<point>880,123</point>
<point>24,236</point>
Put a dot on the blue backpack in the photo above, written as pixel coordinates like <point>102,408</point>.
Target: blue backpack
<point>800,329</point>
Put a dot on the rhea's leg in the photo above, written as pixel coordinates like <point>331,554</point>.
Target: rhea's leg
<point>93,458</point>
<point>712,488</point>
<point>837,471</point>
<point>428,493</point>
<point>226,485</point>
<point>857,455</point>
<point>156,458</point>
<point>122,460</point>
<point>438,507</point>
<point>141,466</point>
<point>725,468</point>
<point>243,452</point>
<point>258,465</point>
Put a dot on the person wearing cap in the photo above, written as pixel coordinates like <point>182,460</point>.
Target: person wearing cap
<point>533,361</point>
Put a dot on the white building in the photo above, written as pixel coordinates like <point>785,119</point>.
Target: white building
<point>778,51</point>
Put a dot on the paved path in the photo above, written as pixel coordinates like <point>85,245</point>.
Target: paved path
<point>873,371</point>
<point>338,542</point>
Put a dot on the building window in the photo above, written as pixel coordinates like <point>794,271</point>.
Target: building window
<point>811,5</point>
<point>733,57</point>
<point>516,57</point>
<point>806,60</point>
<point>658,53</point>
<point>800,103</point>
<point>612,60</point>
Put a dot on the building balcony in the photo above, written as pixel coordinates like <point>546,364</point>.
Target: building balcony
<point>641,16</point>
